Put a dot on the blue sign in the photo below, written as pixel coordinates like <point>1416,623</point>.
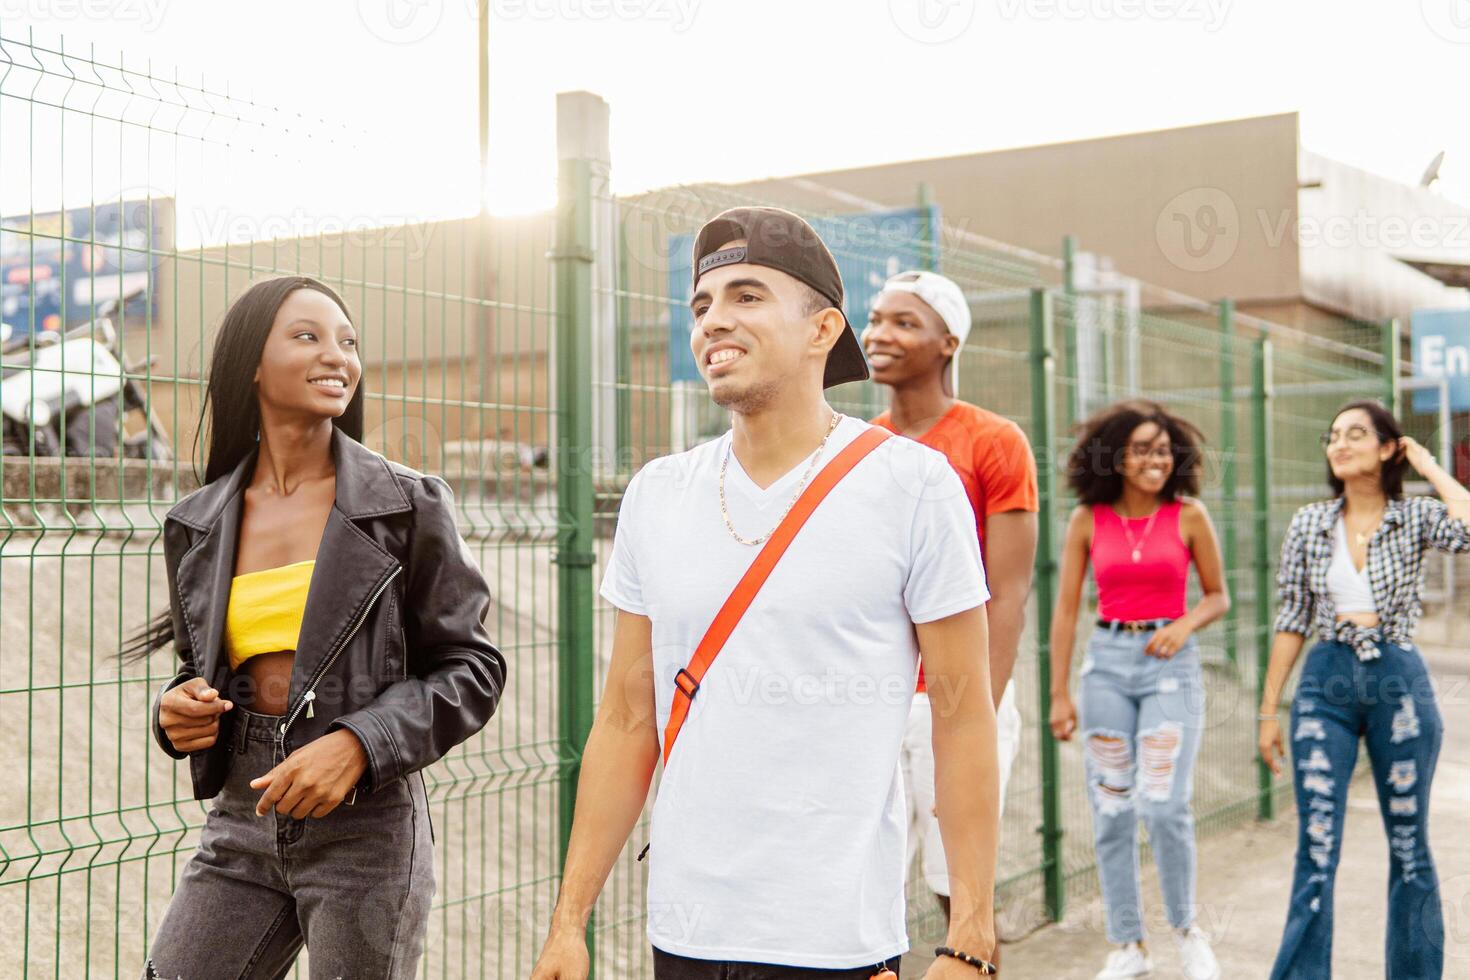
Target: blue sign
<point>58,267</point>
<point>1442,350</point>
<point>869,247</point>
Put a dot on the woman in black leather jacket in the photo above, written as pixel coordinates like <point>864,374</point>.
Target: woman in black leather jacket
<point>352,656</point>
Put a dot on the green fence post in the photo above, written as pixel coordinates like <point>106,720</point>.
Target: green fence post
<point>1392,364</point>
<point>1043,415</point>
<point>1261,532</point>
<point>1228,475</point>
<point>928,230</point>
<point>572,263</point>
<point>1068,351</point>
<point>624,459</point>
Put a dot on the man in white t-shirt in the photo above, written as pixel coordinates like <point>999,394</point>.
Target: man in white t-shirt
<point>777,844</point>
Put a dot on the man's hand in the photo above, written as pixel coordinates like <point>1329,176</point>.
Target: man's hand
<point>949,968</point>
<point>311,781</point>
<point>564,957</point>
<point>189,714</point>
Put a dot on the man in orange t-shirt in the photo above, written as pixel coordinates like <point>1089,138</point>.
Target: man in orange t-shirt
<point>915,332</point>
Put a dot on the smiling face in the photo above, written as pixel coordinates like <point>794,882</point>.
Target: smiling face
<point>1148,459</point>
<point>756,331</point>
<point>310,365</point>
<point>1353,447</point>
<point>905,340</point>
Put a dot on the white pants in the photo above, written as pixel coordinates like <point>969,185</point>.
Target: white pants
<point>918,780</point>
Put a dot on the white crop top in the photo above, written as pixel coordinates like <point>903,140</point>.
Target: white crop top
<point>1348,588</point>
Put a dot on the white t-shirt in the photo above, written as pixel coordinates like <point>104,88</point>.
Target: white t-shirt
<point>778,834</point>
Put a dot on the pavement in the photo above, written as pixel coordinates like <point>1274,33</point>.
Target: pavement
<point>1244,878</point>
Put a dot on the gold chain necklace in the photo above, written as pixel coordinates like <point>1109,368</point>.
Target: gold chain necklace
<point>725,512</point>
<point>1136,547</point>
<point>1364,537</point>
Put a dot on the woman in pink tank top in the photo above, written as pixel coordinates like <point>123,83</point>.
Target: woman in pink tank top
<point>1135,470</point>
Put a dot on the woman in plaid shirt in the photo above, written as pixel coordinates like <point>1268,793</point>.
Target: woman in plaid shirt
<point>1350,576</point>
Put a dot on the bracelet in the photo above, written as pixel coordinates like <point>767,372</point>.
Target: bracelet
<point>1273,716</point>
<point>984,966</point>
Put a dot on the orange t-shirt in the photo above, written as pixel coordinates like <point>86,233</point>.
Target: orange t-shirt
<point>993,459</point>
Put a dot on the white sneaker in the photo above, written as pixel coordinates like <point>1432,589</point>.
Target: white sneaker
<point>1195,954</point>
<point>1125,962</point>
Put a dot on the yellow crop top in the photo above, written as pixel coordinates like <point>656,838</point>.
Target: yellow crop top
<point>265,610</point>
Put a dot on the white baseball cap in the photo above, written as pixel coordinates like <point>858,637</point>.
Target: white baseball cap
<point>944,297</point>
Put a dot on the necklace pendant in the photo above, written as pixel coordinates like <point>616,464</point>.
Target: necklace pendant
<point>1137,556</point>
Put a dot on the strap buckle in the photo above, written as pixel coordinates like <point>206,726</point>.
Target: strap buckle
<point>690,691</point>
<point>1133,625</point>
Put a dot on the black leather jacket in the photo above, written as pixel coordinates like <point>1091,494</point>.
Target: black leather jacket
<point>392,646</point>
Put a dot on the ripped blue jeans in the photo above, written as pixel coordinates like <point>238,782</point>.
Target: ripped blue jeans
<point>1141,718</point>
<point>1388,701</point>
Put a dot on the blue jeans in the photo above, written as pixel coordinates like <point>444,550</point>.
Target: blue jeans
<point>1142,718</point>
<point>1390,702</point>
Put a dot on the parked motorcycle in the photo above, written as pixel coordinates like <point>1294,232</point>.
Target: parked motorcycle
<point>75,383</point>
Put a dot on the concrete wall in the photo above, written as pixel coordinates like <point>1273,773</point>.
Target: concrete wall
<point>447,355</point>
<point>1208,211</point>
<point>1178,207</point>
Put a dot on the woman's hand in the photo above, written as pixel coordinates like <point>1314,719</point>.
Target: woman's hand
<point>1063,716</point>
<point>1416,455</point>
<point>189,714</point>
<point>312,780</point>
<point>1168,640</point>
<point>1272,749</point>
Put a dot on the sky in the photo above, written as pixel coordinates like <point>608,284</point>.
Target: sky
<point>378,102</point>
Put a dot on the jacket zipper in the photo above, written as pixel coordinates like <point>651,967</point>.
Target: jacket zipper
<point>309,695</point>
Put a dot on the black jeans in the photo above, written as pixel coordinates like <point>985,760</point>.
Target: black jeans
<point>667,966</point>
<point>353,886</point>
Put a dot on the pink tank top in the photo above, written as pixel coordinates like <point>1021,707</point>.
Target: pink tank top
<point>1142,570</point>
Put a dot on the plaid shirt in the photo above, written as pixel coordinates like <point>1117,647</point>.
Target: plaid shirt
<point>1411,526</point>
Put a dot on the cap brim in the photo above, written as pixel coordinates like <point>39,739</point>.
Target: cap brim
<point>845,361</point>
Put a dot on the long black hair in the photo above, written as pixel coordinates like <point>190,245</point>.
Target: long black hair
<point>1095,465</point>
<point>1391,477</point>
<point>229,395</point>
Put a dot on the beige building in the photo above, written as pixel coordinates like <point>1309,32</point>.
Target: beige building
<point>1230,209</point>
<point>459,333</point>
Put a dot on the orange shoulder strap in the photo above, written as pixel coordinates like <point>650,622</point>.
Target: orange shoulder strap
<point>686,681</point>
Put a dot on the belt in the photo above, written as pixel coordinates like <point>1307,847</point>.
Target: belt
<point>1133,626</point>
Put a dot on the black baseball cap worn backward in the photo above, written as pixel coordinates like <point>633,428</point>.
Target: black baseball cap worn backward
<point>779,239</point>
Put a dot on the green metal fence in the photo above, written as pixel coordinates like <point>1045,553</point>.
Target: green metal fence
<point>1045,352</point>
<point>121,175</point>
<point>527,361</point>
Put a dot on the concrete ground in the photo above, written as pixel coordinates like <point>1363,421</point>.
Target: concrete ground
<point>1245,878</point>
